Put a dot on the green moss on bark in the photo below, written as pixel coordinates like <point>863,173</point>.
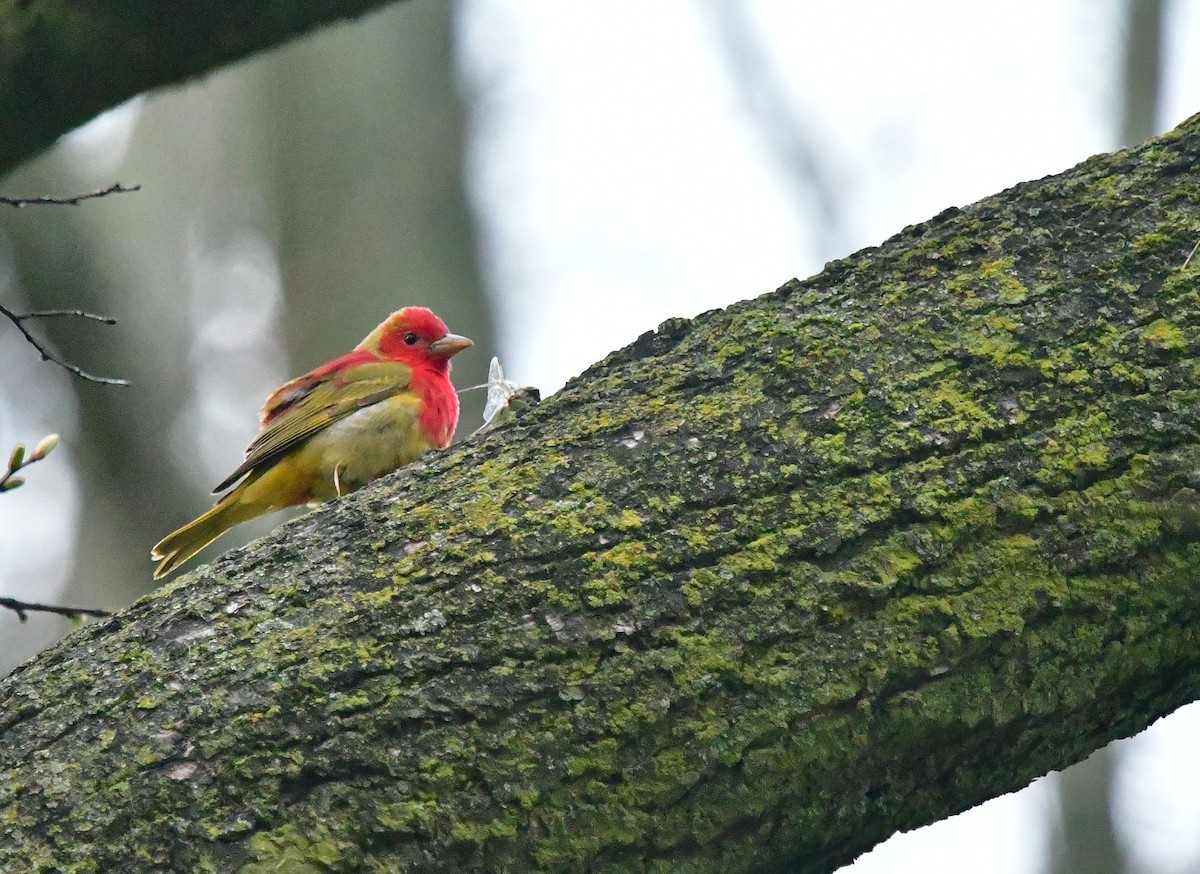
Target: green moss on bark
<point>750,594</point>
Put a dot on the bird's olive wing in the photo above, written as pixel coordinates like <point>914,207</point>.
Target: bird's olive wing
<point>305,406</point>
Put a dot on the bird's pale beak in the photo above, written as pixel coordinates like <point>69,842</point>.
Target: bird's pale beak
<point>449,345</point>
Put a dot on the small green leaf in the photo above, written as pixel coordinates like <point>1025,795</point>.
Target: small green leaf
<point>17,458</point>
<point>11,483</point>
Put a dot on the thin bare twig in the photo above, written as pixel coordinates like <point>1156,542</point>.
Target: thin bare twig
<point>49,314</point>
<point>24,608</point>
<point>19,319</point>
<point>115,188</point>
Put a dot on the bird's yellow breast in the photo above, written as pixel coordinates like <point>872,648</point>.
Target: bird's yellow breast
<point>364,446</point>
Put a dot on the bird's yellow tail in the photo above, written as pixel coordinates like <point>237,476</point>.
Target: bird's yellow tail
<point>178,546</point>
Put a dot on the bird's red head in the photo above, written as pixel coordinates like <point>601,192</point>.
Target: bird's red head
<point>415,335</point>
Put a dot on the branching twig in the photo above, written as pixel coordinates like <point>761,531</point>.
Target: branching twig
<point>790,137</point>
<point>115,188</point>
<point>24,608</point>
<point>19,320</point>
<point>18,460</point>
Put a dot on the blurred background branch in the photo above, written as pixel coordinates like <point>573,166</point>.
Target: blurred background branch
<point>64,61</point>
<point>790,136</point>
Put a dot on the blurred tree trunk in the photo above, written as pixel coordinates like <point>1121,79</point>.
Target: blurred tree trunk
<point>787,136</point>
<point>749,595</point>
<point>1085,841</point>
<point>1141,84</point>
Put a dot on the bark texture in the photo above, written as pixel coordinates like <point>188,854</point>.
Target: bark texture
<point>749,595</point>
<point>64,61</point>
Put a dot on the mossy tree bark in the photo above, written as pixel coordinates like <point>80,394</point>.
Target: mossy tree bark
<point>749,595</point>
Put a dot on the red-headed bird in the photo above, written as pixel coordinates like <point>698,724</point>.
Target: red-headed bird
<point>338,427</point>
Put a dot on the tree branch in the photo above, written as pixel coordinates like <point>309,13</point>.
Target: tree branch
<point>24,608</point>
<point>749,595</point>
<point>19,320</point>
<point>58,68</point>
<point>74,200</point>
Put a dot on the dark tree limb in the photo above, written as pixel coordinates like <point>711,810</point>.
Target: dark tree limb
<point>64,61</point>
<point>749,595</point>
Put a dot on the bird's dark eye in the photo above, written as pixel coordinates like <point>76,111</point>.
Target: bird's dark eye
<point>410,338</point>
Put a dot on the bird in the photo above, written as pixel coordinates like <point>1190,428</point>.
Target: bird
<point>337,427</point>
